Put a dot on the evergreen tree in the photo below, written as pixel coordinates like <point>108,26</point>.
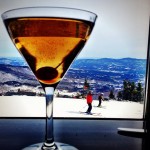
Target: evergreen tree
<point>111,95</point>
<point>131,92</point>
<point>119,95</point>
<point>132,86</point>
<point>134,95</point>
<point>86,85</point>
<point>139,92</point>
<point>86,88</point>
<point>126,90</point>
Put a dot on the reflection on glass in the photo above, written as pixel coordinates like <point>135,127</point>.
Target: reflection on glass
<point>49,39</point>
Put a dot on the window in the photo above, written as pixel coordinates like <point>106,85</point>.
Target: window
<point>113,63</point>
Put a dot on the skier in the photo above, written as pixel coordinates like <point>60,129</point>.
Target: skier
<point>100,98</point>
<point>89,99</point>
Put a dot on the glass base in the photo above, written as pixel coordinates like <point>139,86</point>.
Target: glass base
<point>60,146</point>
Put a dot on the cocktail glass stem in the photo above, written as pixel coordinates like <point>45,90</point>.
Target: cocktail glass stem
<point>49,137</point>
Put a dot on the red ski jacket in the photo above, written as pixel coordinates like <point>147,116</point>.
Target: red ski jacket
<point>89,98</point>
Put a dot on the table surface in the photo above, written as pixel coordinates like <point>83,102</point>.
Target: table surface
<point>17,133</point>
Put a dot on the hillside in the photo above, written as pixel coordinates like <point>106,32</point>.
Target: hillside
<point>102,74</point>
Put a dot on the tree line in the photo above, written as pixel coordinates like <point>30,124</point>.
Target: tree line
<point>131,92</point>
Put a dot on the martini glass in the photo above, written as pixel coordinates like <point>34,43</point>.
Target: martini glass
<point>49,39</point>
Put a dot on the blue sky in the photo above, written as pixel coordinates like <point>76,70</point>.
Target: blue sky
<point>121,29</point>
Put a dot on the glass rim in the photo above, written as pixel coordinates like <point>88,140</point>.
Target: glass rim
<point>49,11</point>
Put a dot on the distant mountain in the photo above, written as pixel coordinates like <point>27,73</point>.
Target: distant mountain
<point>125,68</point>
<point>20,74</point>
<point>104,74</point>
<point>14,61</point>
<point>101,73</point>
<point>15,75</point>
<point>111,64</point>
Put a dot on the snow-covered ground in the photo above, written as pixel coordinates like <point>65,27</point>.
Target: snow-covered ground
<point>109,109</point>
<point>29,106</point>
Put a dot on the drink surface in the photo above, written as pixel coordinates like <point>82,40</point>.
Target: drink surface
<point>49,45</point>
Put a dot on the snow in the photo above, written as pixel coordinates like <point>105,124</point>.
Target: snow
<point>34,106</point>
<point>109,109</point>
